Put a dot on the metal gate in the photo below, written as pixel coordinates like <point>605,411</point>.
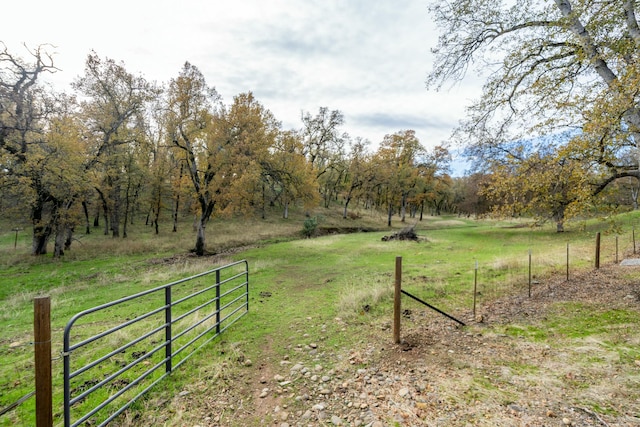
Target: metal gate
<point>115,352</point>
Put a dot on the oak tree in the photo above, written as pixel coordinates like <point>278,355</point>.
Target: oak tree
<point>360,172</point>
<point>324,146</point>
<point>24,110</point>
<point>191,106</point>
<point>561,67</point>
<point>290,174</point>
<point>396,160</point>
<point>113,105</point>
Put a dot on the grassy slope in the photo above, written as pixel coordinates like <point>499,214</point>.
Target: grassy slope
<point>322,278</point>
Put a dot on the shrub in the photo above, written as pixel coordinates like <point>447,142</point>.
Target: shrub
<point>309,226</point>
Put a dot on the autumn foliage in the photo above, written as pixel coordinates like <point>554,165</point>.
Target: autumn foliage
<point>120,147</point>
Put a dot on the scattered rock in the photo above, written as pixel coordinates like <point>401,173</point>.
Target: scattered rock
<point>376,384</point>
<point>336,421</point>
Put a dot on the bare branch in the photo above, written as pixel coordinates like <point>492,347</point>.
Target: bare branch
<point>632,21</point>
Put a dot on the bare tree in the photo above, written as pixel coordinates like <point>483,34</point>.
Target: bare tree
<point>551,67</point>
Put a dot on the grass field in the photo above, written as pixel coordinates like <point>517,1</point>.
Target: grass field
<point>345,276</point>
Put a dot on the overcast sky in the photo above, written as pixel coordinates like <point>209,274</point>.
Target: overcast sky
<point>368,59</point>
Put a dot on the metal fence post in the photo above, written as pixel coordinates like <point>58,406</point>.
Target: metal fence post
<point>529,273</point>
<point>597,250</point>
<point>396,301</point>
<point>42,349</point>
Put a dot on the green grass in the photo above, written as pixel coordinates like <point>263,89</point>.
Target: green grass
<point>294,283</point>
<point>579,320</point>
<point>530,332</point>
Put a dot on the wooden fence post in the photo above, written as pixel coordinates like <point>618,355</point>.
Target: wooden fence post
<point>475,288</point>
<point>396,301</point>
<point>42,349</point>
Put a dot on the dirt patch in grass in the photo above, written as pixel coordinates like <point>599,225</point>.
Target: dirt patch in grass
<point>325,231</point>
<point>522,360</point>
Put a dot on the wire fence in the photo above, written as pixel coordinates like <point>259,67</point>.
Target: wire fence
<point>520,272</point>
<point>488,279</point>
<point>18,380</point>
<point>192,328</point>
<point>19,371</point>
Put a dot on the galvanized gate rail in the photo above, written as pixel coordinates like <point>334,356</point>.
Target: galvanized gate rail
<point>198,317</point>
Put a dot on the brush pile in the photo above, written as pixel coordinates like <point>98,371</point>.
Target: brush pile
<point>407,233</point>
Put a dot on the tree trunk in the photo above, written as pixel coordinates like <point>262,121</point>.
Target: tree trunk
<point>40,240</point>
<point>558,216</point>
<point>135,205</point>
<point>176,208</point>
<point>96,217</point>
<point>176,205</point>
<point>59,243</point>
<point>389,215</point>
<point>156,218</point>
<point>346,205</point>
<point>264,203</point>
<point>200,237</point>
<point>115,212</point>
<point>85,208</point>
<point>41,231</point>
<point>127,206</point>
<point>105,211</point>
<point>68,238</point>
<point>126,219</point>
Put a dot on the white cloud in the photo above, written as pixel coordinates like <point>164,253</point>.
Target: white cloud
<point>367,59</point>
